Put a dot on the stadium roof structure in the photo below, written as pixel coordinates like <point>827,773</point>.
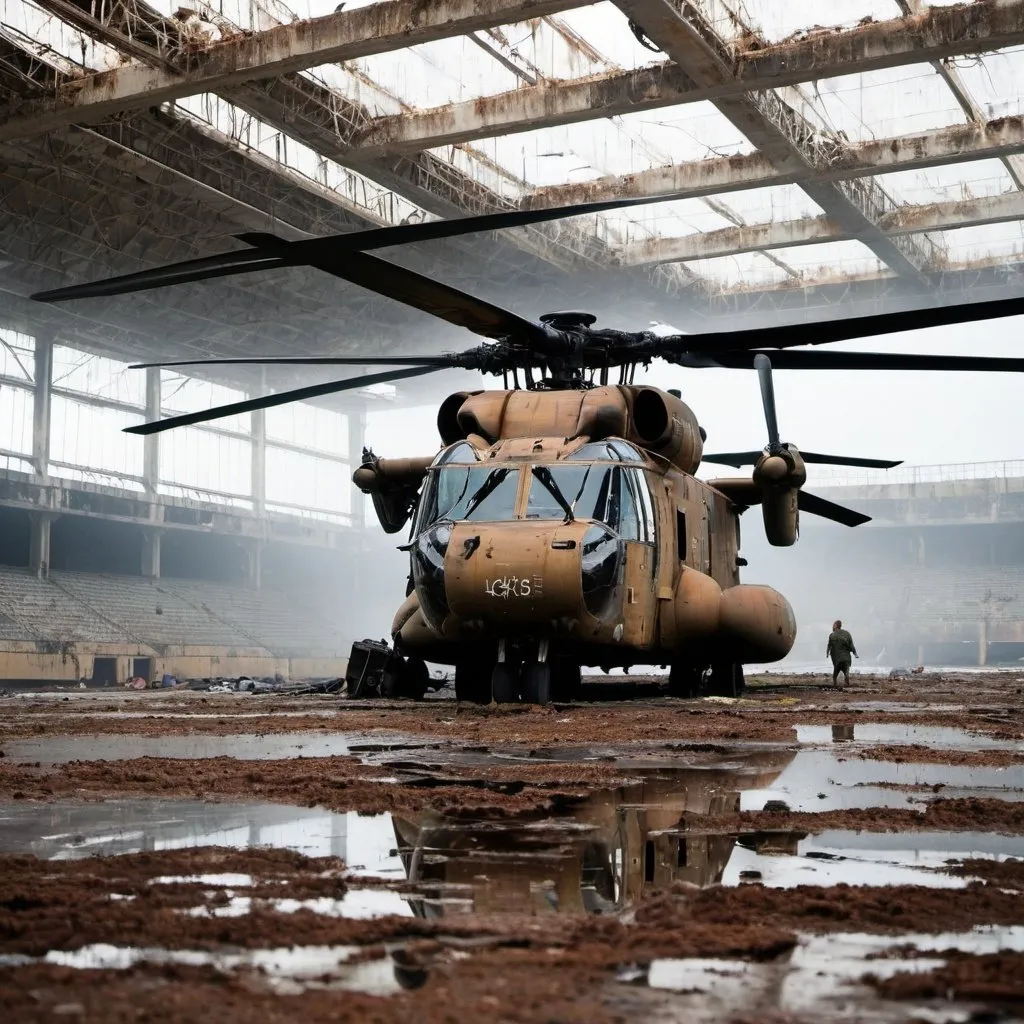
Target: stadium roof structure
<point>795,171</point>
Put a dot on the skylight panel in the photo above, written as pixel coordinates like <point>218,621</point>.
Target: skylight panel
<point>666,220</point>
<point>688,131</point>
<point>749,271</point>
<point>775,203</point>
<point>995,81</point>
<point>948,182</point>
<point>893,101</point>
<point>831,259</point>
<point>606,28</point>
<point>983,242</point>
<point>778,21</point>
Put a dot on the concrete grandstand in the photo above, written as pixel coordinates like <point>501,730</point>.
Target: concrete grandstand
<point>937,578</point>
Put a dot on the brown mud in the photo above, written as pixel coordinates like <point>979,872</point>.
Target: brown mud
<point>533,959</point>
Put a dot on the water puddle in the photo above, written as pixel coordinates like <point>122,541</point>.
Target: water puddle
<point>936,737</point>
<point>247,746</point>
<point>286,971</point>
<point>822,977</point>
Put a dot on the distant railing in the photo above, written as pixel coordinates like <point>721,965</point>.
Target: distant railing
<point>822,476</point>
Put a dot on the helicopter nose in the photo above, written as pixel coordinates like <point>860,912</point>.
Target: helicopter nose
<point>529,574</point>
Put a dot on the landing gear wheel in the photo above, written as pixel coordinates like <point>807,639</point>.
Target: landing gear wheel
<point>537,683</point>
<point>473,680</point>
<point>505,683</point>
<point>566,681</point>
<point>726,680</point>
<point>685,681</point>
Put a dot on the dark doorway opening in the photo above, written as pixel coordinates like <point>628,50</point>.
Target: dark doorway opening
<point>104,671</point>
<point>142,667</point>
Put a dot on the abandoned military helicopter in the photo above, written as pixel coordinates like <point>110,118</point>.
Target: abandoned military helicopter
<point>561,523</point>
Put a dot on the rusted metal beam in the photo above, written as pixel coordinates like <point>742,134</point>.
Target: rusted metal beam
<point>955,144</point>
<point>813,230</point>
<point>791,142</point>
<point>933,35</point>
<point>334,38</point>
<point>908,40</point>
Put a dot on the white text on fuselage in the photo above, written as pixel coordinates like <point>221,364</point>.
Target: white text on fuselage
<point>506,587</point>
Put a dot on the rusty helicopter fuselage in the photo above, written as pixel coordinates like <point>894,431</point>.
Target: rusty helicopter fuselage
<point>563,528</point>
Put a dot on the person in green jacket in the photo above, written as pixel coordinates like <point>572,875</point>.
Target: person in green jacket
<point>840,649</point>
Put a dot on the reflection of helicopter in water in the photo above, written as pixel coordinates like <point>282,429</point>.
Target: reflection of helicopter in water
<point>562,524</point>
<point>609,850</point>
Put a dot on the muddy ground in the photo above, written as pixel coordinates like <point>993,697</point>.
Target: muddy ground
<point>801,854</point>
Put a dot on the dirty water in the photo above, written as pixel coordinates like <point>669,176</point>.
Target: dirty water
<point>892,733</point>
<point>244,746</point>
<point>286,971</point>
<point>822,977</point>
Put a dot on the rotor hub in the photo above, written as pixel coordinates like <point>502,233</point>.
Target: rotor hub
<point>568,320</point>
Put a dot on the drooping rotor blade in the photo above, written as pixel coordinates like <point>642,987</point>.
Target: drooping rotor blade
<point>814,359</point>
<point>224,264</point>
<point>441,362</point>
<point>816,506</point>
<point>764,376</point>
<point>740,459</point>
<point>281,398</point>
<point>302,252</point>
<point>847,460</point>
<point>846,328</point>
<point>424,293</point>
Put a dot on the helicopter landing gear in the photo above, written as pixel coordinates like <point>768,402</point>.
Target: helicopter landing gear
<point>726,680</point>
<point>537,683</point>
<point>517,677</point>
<point>685,680</point>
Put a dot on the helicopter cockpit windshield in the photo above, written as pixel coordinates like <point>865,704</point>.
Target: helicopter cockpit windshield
<point>596,482</point>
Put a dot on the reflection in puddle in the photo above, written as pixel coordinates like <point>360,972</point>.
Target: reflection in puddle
<point>937,737</point>
<point>596,855</point>
<point>287,971</point>
<point>247,746</point>
<point>822,976</point>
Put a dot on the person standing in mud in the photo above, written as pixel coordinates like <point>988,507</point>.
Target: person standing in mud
<point>840,649</point>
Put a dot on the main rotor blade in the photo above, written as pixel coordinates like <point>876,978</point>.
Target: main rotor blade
<point>300,253</point>
<point>440,362</point>
<point>282,398</point>
<point>825,360</point>
<point>424,293</point>
<point>846,328</point>
<point>764,375</point>
<point>816,506</point>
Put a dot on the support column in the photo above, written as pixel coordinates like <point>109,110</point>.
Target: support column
<point>151,442</point>
<point>982,643</point>
<point>254,564</point>
<point>39,544</point>
<point>151,553</point>
<point>356,442</point>
<point>41,409</point>
<point>259,462</point>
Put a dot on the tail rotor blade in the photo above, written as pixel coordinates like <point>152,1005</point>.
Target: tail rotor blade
<point>846,460</point>
<point>282,398</point>
<point>763,366</point>
<point>737,459</point>
<point>816,506</point>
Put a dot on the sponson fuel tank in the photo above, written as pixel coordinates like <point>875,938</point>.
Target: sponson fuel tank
<point>650,418</point>
<point>747,623</point>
